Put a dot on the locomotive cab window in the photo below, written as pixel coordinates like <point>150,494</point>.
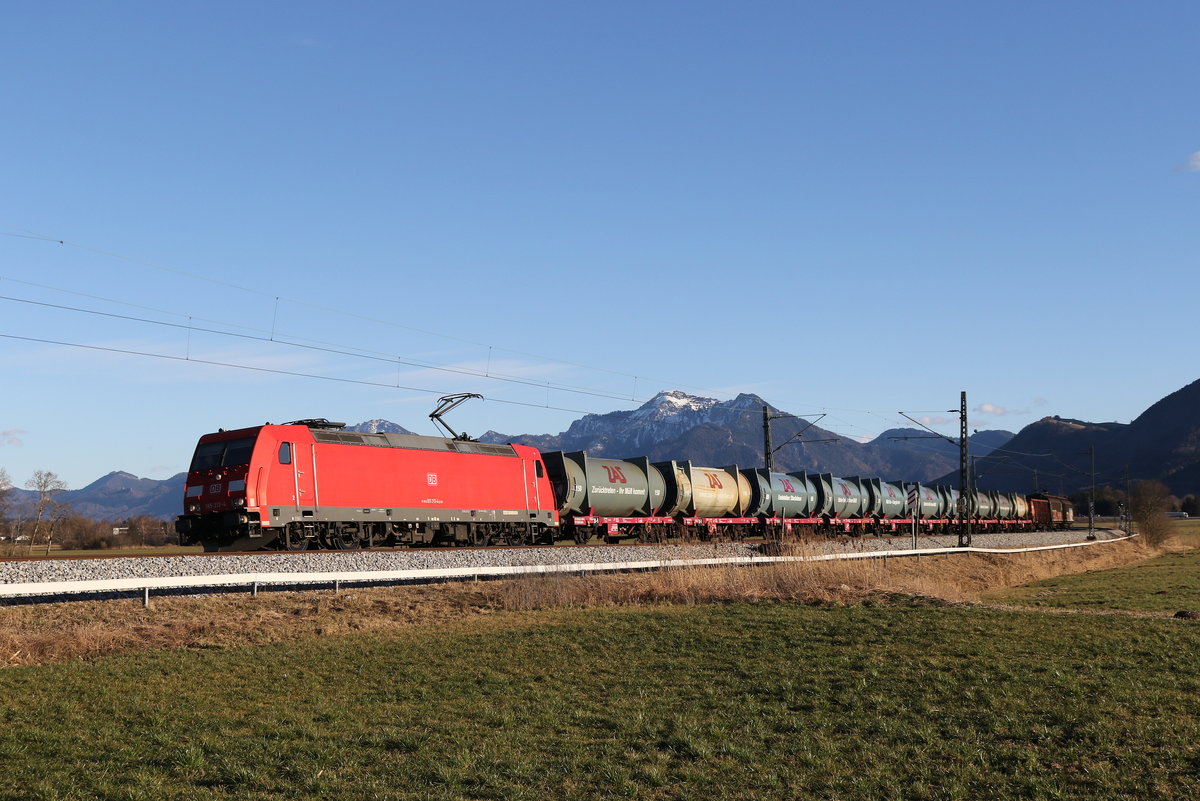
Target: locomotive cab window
<point>285,453</point>
<point>211,455</point>
<point>538,468</point>
<point>239,451</point>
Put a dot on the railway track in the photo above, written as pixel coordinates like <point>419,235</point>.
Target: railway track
<point>847,541</point>
<point>57,579</point>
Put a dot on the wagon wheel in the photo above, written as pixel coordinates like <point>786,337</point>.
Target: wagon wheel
<point>294,540</point>
<point>652,534</point>
<point>582,535</point>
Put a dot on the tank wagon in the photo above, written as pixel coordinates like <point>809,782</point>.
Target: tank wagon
<point>310,484</point>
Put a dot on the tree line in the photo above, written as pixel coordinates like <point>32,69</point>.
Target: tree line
<point>48,522</point>
<point>1110,501</point>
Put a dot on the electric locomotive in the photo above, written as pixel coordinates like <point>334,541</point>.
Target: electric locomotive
<point>308,484</point>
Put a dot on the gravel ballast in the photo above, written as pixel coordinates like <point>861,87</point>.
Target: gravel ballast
<point>327,562</point>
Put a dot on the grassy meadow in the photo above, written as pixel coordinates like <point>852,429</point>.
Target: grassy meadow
<point>1166,584</point>
<point>739,701</point>
<point>848,693</point>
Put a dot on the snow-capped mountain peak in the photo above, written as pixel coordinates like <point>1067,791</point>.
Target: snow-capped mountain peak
<point>379,426</point>
<point>679,401</point>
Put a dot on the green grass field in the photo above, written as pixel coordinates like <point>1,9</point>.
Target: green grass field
<point>1166,584</point>
<point>742,701</point>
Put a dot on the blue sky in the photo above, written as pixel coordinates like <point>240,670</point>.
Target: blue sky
<point>344,210</point>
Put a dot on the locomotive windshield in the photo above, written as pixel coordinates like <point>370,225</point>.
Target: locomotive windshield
<point>210,455</point>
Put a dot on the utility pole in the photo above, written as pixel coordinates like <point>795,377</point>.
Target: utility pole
<point>769,449</point>
<point>1092,497</point>
<point>964,467</point>
<point>770,455</point>
<point>1128,505</point>
<point>964,477</point>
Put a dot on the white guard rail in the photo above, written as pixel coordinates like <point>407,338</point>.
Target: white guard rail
<point>256,580</point>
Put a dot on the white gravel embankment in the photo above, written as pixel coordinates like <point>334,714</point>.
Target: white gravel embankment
<point>60,570</point>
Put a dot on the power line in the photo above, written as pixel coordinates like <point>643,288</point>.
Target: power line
<point>302,343</point>
<point>273,371</point>
<point>334,351</point>
<point>273,335</point>
<point>343,349</point>
<point>353,315</point>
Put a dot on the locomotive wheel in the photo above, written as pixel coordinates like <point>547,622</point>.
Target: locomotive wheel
<point>346,540</point>
<point>341,539</point>
<point>480,537</point>
<point>294,540</point>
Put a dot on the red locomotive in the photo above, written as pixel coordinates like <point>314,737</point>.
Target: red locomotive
<point>310,484</point>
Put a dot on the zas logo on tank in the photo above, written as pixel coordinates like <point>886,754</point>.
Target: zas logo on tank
<point>615,474</point>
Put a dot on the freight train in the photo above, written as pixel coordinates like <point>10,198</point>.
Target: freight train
<point>310,484</point>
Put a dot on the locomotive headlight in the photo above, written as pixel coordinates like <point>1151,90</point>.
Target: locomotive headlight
<point>239,501</point>
<point>193,507</point>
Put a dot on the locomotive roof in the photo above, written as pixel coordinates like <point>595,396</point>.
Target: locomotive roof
<point>411,442</point>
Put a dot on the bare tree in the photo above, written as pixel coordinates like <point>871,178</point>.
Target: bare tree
<point>15,528</point>
<point>56,514</point>
<point>46,484</point>
<point>1148,506</point>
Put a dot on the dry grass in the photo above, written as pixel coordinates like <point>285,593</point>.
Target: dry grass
<point>41,634</point>
<point>950,578</point>
<point>45,633</point>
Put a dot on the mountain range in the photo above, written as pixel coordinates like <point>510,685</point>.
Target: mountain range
<point>1058,453</point>
<point>676,425</point>
<point>1053,454</point>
